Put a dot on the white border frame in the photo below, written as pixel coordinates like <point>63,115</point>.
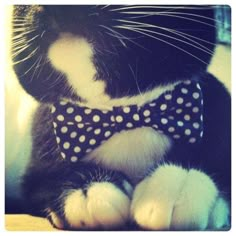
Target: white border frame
<point>4,3</point>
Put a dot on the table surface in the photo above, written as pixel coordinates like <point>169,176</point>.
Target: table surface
<point>27,223</point>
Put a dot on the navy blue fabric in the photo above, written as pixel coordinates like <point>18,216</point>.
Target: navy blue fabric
<point>177,114</point>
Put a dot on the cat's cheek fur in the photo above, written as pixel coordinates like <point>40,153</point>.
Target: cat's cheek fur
<point>176,198</point>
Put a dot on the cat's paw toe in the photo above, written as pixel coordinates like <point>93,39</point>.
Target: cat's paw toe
<point>177,199</point>
<point>102,205</point>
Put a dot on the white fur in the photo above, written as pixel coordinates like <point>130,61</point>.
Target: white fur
<point>220,214</point>
<point>132,152</point>
<point>56,220</point>
<point>104,206</point>
<point>73,56</point>
<point>174,198</point>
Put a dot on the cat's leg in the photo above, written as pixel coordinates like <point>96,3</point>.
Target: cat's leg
<point>179,199</point>
<point>85,197</point>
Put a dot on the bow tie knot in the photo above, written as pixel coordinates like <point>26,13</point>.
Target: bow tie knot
<point>176,113</point>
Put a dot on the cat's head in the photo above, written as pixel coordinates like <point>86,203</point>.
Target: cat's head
<point>89,51</point>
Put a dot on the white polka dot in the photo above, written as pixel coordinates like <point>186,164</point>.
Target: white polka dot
<point>196,125</point>
<point>63,103</point>
<point>187,131</point>
<point>201,134</point>
<point>92,141</point>
<point>89,129</point>
<point>136,117</point>
<point>66,145</point>
<point>155,126</point>
<point>80,126</point>
<point>171,117</point>
<point>187,82</point>
<point>153,104</point>
<point>60,117</point>
<point>176,136</point>
<point>58,140</point>
<point>77,149</point>
<point>96,118</point>
<point>104,111</point>
<point>97,131</point>
<point>119,119</point>
<point>74,159</point>
<point>53,109</point>
<point>187,117</point>
<point>112,118</point>
<point>180,100</point>
<point>105,124</point>
<point>196,95</point>
<point>192,140</point>
<point>171,129</point>
<point>129,125</point>
<point>201,117</point>
<point>87,111</point>
<point>78,118</point>
<point>198,86</point>
<point>126,109</point>
<point>73,134</point>
<point>184,90</point>
<point>89,150</point>
<point>163,107</point>
<point>195,109</point>
<point>180,123</point>
<point>70,110</point>
<point>63,155</point>
<point>178,111</point>
<point>82,138</point>
<point>168,96</point>
<point>54,124</point>
<point>107,134</point>
<point>146,113</point>
<point>147,120</point>
<point>189,104</point>
<point>202,102</point>
<point>64,129</point>
<point>164,121</point>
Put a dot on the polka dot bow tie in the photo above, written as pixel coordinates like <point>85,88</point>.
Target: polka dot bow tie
<point>176,113</point>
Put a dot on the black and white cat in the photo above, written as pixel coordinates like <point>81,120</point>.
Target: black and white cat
<point>131,128</point>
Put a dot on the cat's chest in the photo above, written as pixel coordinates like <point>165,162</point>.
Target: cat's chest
<point>133,152</point>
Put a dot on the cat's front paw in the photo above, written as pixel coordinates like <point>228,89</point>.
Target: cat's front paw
<point>102,205</point>
<point>178,199</point>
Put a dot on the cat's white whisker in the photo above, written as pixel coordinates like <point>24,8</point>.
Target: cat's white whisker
<point>162,7</point>
<point>174,38</point>
<point>21,50</point>
<point>105,6</point>
<point>135,76</point>
<point>193,44</point>
<point>27,57</point>
<point>146,13</point>
<point>118,35</point>
<point>36,67</point>
<point>31,67</point>
<point>22,34</point>
<point>164,41</point>
<point>145,25</point>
